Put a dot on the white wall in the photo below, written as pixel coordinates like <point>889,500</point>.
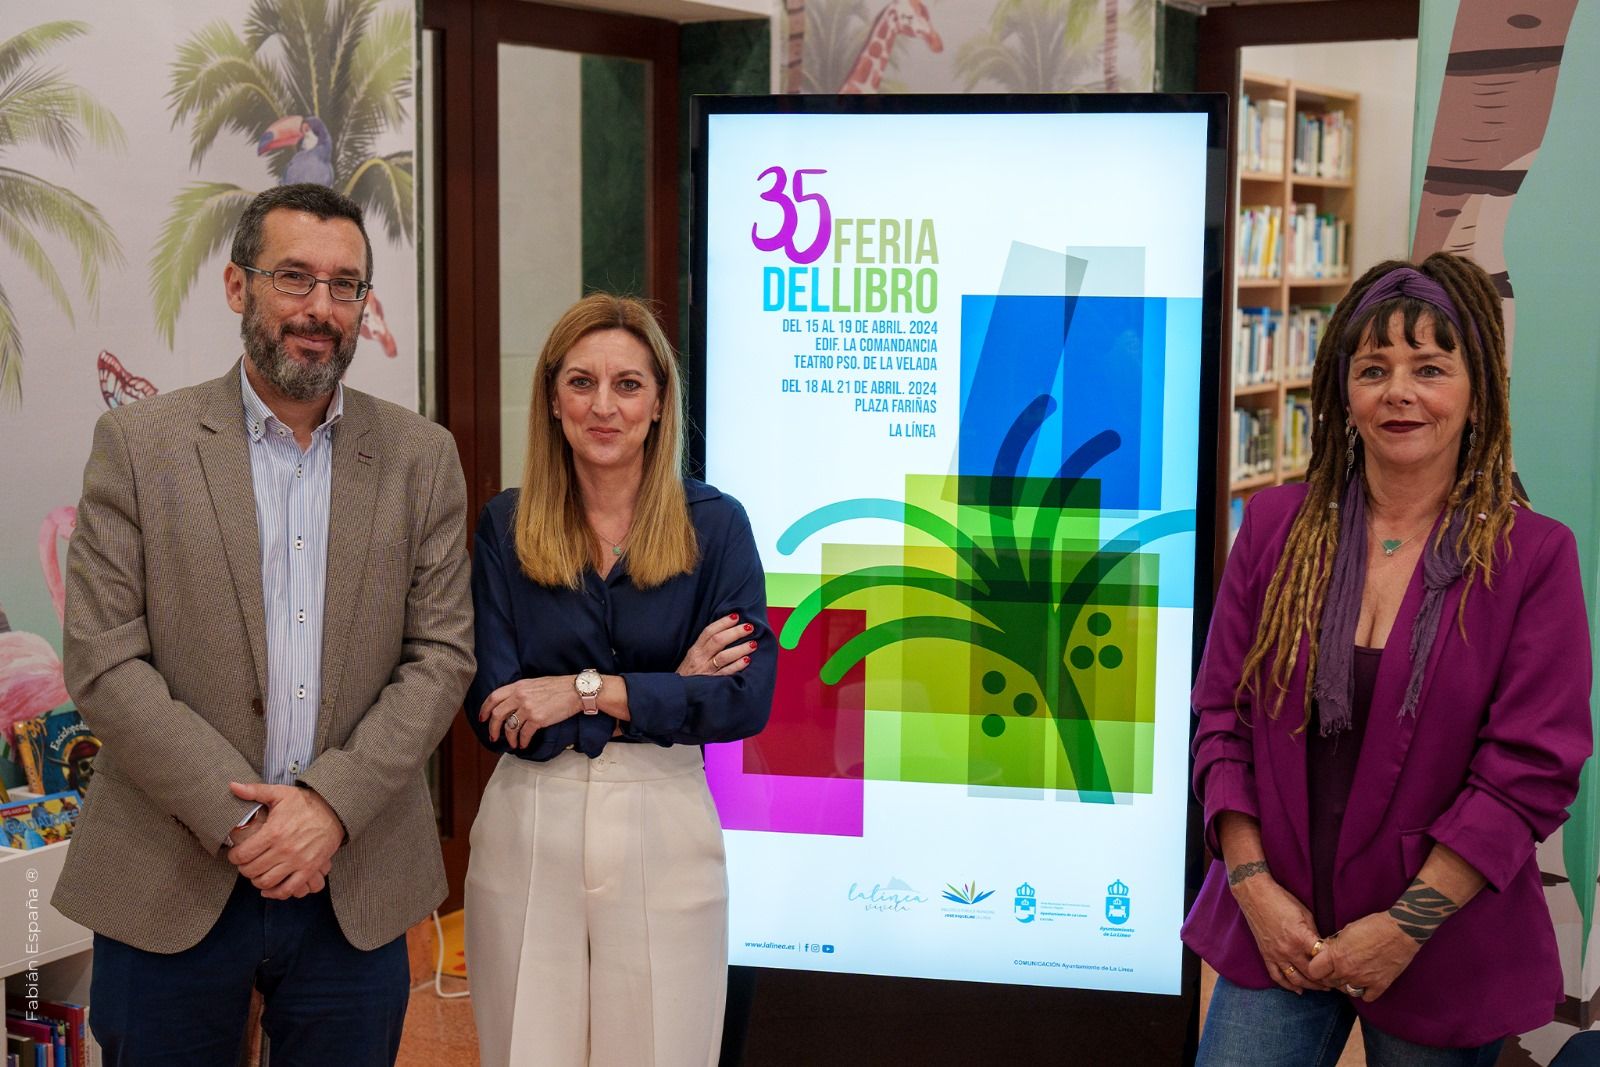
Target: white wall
<point>1385,74</point>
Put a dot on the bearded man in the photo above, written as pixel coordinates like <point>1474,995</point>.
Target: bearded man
<point>268,626</point>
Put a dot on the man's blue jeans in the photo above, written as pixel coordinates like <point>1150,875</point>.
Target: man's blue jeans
<point>1275,1028</point>
<point>326,1001</point>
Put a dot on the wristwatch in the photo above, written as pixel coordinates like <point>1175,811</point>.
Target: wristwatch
<point>588,686</point>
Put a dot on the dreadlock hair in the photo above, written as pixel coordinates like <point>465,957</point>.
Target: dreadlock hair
<point>1483,487</point>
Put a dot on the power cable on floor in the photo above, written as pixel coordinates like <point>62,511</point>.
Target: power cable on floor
<point>438,967</point>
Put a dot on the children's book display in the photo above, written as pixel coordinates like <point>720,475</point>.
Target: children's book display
<point>34,822</point>
<point>57,750</point>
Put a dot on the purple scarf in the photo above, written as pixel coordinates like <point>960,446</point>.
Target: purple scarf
<point>1334,689</point>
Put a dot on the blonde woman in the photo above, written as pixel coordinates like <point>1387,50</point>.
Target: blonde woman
<point>621,624</point>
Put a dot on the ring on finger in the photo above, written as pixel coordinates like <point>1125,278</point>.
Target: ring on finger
<point>1289,971</point>
<point>1355,990</point>
<point>512,723</point>
<point>1317,946</point>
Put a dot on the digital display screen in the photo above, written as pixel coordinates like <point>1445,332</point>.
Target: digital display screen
<point>949,356</point>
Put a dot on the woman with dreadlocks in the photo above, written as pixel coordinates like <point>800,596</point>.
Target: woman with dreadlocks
<point>1393,707</point>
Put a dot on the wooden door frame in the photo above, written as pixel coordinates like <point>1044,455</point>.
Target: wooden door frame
<point>466,260</point>
<point>1220,33</point>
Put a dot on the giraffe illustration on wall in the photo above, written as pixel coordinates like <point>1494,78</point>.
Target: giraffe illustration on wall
<point>899,18</point>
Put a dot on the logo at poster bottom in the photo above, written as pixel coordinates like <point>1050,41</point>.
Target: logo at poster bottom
<point>1119,909</point>
<point>1118,904</point>
<point>894,896</point>
<point>1027,903</point>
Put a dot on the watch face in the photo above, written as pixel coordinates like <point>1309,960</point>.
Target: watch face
<point>588,683</point>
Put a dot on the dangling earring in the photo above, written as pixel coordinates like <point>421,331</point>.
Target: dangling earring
<point>1472,437</point>
<point>1349,450</point>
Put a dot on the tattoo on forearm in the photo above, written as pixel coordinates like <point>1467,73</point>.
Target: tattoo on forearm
<point>1246,870</point>
<point>1421,910</point>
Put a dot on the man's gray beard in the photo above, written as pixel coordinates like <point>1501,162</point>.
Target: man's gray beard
<point>294,379</point>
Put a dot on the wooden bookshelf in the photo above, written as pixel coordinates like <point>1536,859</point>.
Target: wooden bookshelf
<point>1269,286</point>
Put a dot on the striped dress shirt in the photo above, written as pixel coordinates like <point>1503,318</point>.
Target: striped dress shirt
<point>292,492</point>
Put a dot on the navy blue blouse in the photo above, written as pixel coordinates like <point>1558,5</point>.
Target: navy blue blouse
<point>527,630</point>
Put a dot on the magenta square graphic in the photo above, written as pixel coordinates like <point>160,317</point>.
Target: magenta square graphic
<point>802,775</point>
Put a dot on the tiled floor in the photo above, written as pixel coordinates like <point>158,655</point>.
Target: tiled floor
<point>439,1033</point>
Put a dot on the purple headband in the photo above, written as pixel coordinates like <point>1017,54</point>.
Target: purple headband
<point>1403,281</point>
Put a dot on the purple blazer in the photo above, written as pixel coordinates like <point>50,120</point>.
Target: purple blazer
<point>1487,765</point>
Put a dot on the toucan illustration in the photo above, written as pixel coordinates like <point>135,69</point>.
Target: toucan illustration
<point>313,160</point>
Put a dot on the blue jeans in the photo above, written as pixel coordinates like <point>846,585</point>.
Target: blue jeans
<point>1275,1028</point>
<point>326,1001</point>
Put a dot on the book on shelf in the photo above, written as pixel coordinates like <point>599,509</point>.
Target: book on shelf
<point>57,751</point>
<point>1305,328</point>
<point>44,1040</point>
<point>71,1020</point>
<point>1296,429</point>
<point>1257,346</point>
<point>1259,236</point>
<point>1324,145</point>
<point>1262,126</point>
<point>1254,442</point>
<point>1318,244</point>
<point>34,822</point>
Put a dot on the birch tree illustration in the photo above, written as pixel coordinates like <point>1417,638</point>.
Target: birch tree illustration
<point>1499,87</point>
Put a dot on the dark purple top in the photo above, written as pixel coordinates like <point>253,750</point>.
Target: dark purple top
<point>1330,772</point>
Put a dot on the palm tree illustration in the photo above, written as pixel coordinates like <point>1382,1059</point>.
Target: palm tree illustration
<point>1012,588</point>
<point>1036,46</point>
<point>312,84</point>
<point>1136,22</point>
<point>834,33</point>
<point>39,106</point>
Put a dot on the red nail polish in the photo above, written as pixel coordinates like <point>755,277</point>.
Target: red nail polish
<point>748,628</point>
<point>747,659</point>
<point>752,644</point>
<point>734,617</point>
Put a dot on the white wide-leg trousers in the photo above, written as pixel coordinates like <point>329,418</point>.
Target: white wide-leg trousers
<point>597,912</point>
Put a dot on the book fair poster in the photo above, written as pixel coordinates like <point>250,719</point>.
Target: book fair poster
<point>952,369</point>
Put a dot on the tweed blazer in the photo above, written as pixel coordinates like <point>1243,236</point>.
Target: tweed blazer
<point>1487,766</point>
<point>165,655</point>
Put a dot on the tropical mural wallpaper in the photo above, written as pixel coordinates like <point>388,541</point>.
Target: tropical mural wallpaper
<point>316,84</point>
<point>1013,46</point>
<point>131,136</point>
<point>42,110</point>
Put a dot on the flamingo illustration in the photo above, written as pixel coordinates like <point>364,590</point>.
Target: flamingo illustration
<point>118,385</point>
<point>30,674</point>
<point>374,327</point>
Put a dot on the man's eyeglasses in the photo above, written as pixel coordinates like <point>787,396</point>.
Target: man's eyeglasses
<point>299,283</point>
